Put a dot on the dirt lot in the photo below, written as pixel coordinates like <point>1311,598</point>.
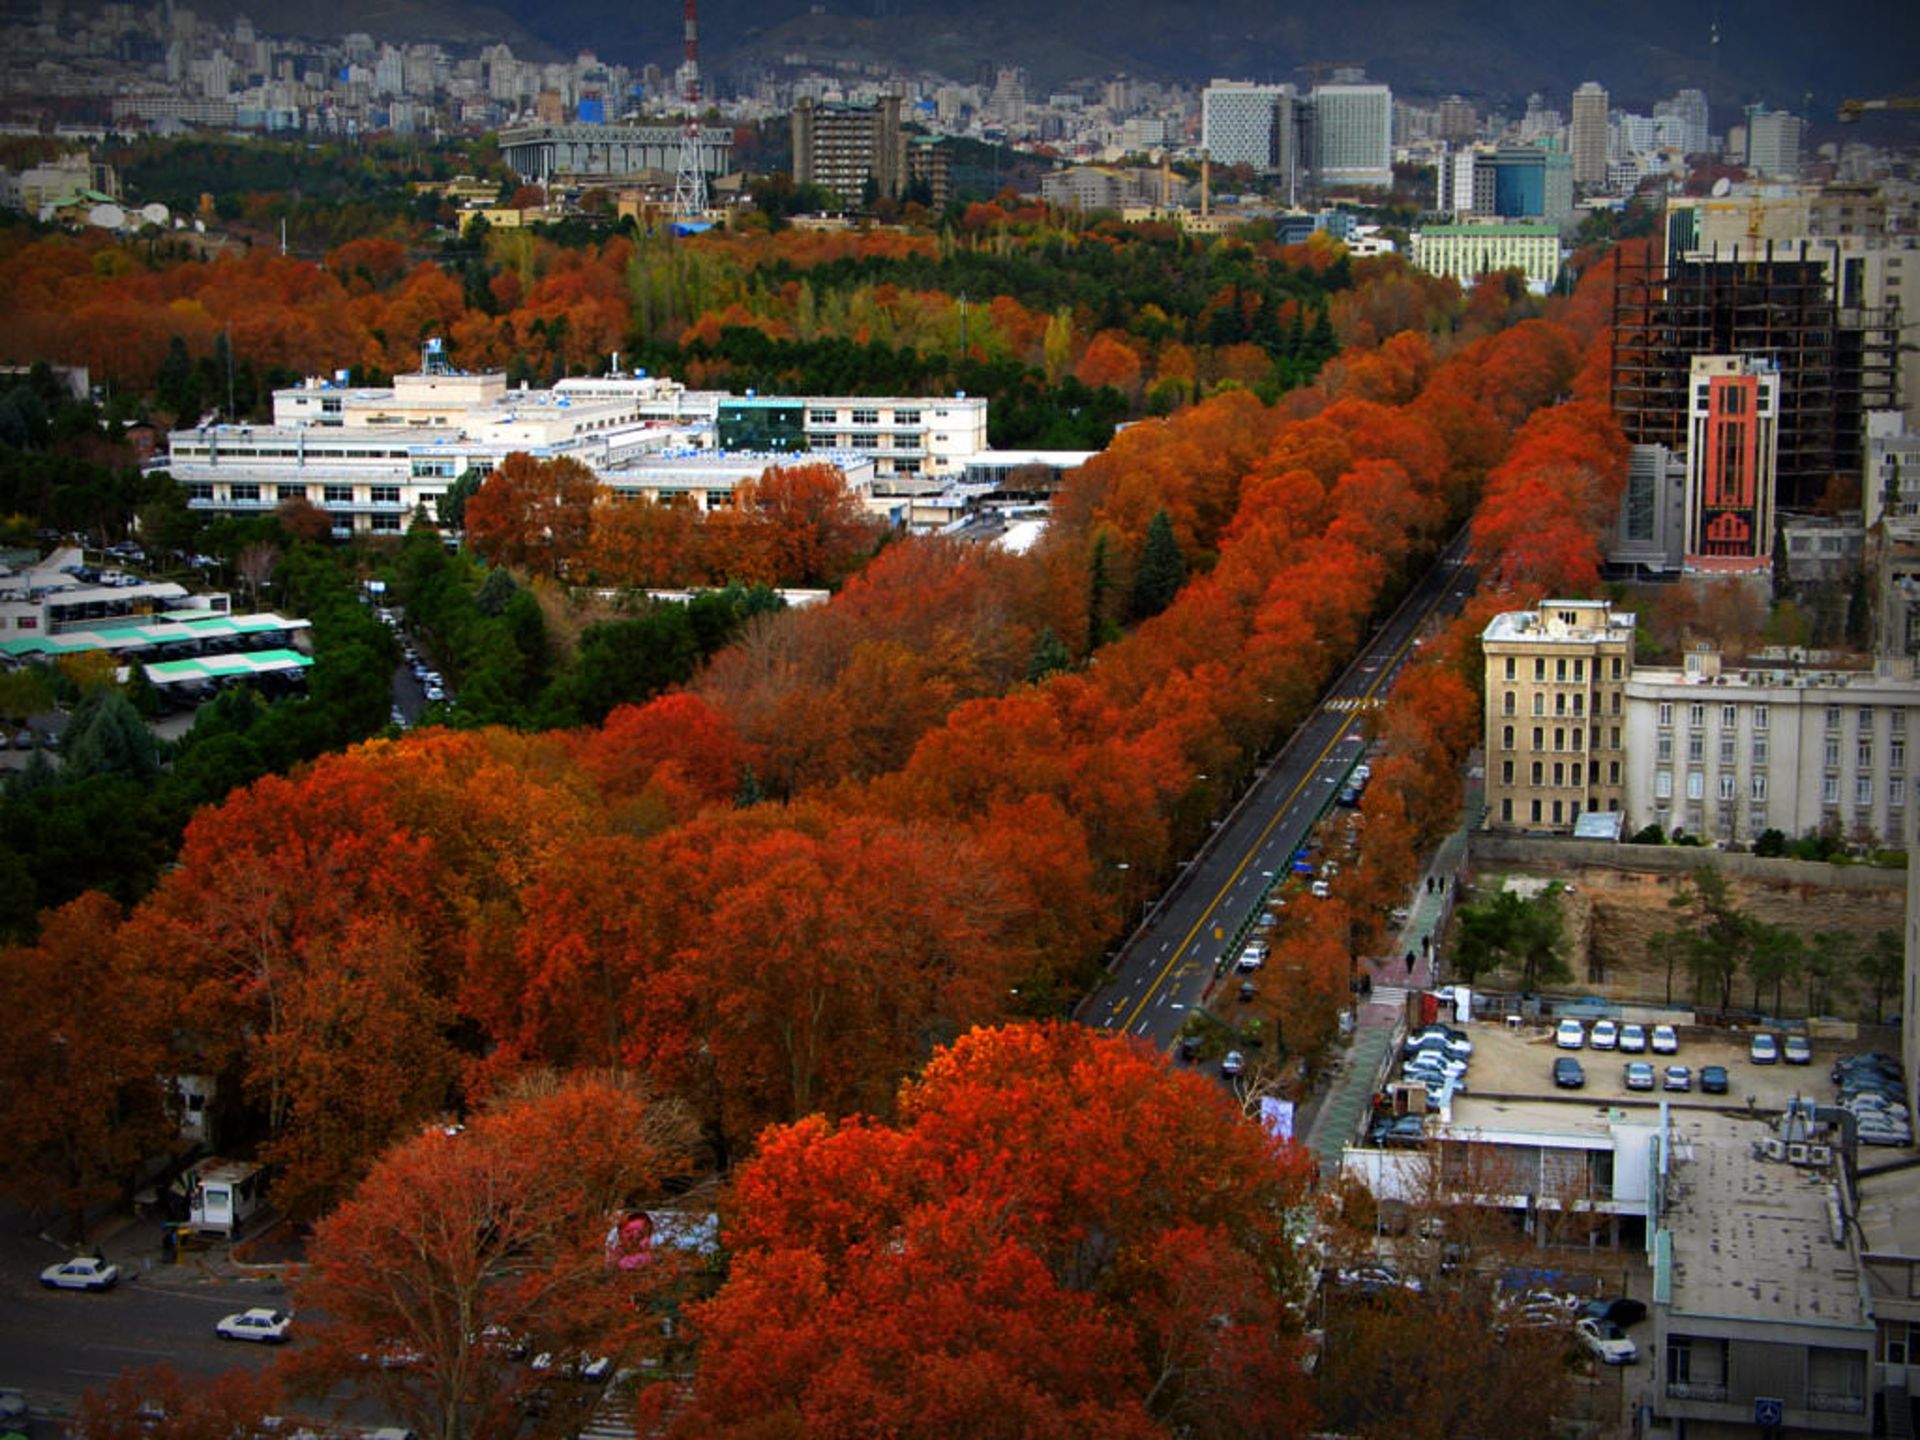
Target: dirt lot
<point>1611,915</point>
<point>1521,1063</point>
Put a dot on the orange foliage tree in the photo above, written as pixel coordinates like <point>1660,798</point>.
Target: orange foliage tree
<point>532,514</point>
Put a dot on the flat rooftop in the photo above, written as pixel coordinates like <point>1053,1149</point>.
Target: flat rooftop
<point>1751,1236</point>
<point>1888,1208</point>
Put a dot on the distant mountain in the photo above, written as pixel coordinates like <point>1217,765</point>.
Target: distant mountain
<point>1779,51</point>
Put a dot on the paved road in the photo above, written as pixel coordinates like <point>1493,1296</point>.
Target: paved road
<point>1168,965</point>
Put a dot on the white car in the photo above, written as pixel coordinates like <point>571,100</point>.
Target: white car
<point>1633,1039</point>
<point>1233,1064</point>
<point>1571,1035</point>
<point>1322,890</point>
<point>1606,1342</point>
<point>268,1327</point>
<point>1252,958</point>
<point>83,1272</point>
<point>1605,1035</point>
<point>1666,1040</point>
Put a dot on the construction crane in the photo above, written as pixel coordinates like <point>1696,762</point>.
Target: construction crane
<point>1852,110</point>
<point>690,175</point>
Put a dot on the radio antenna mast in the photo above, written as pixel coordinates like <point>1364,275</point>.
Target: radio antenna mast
<point>690,176</point>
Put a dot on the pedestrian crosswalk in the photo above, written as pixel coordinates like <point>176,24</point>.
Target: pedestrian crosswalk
<point>1346,703</point>
<point>1394,995</point>
<point>612,1418</point>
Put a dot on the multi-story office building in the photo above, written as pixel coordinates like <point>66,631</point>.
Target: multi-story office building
<point>1511,182</point>
<point>545,154</point>
<point>1244,123</point>
<point>1890,476</point>
<point>1649,538</point>
<point>1466,252</point>
<point>1588,136</point>
<point>1689,107</point>
<point>1352,128</point>
<point>1727,754</point>
<point>1556,678</point>
<point>913,444</point>
<point>1773,143</point>
<point>1733,417</point>
<point>841,148</point>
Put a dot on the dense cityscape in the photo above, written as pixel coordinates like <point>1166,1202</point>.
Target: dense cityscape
<point>817,727</point>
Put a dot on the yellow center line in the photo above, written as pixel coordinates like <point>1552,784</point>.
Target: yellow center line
<point>1280,809</point>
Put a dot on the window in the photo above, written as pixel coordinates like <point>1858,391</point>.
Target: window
<point>293,492</point>
<point>1697,714</point>
<point>1560,703</point>
<point>385,495</point>
<point>1616,667</point>
<point>1696,749</point>
<point>1759,717</point>
<point>1863,790</point>
<point>823,417</point>
<point>906,467</point>
<point>1579,671</point>
<point>199,492</point>
<point>1895,1342</point>
<point>1729,787</point>
<point>1666,712</point>
<point>1613,705</point>
<point>1506,737</point>
<point>866,442</point>
<point>244,494</point>
<point>1578,737</point>
<point>1539,738</point>
<point>1833,754</point>
<point>1830,790</point>
<point>866,417</point>
<point>1836,1381</point>
<point>1863,755</point>
<point>1536,812</point>
<point>1760,750</point>
<point>386,524</point>
<point>1726,749</point>
<point>1560,669</point>
<point>1559,773</point>
<point>339,494</point>
<point>1539,667</point>
<point>1512,666</point>
<point>1613,738</point>
<point>1757,788</point>
<point>1506,772</point>
<point>1506,704</point>
<point>1897,755</point>
<point>1539,703</point>
<point>1896,793</point>
<point>1579,703</point>
<point>1539,771</point>
<point>1663,784</point>
<point>1665,745</point>
<point>1866,719</point>
<point>1613,772</point>
<point>1506,811</point>
<point>1897,721</point>
<point>906,417</point>
<point>1696,785</point>
<point>1833,717</point>
<point>1559,738</point>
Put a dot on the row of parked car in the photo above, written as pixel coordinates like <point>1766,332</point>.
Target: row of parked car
<point>1572,1034</point>
<point>1436,1059</point>
<point>1870,1089</point>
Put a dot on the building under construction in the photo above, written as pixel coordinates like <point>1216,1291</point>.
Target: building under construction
<point>1771,301</point>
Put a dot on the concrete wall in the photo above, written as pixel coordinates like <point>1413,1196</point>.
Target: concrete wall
<point>1485,847</point>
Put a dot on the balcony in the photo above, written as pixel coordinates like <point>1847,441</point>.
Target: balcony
<point>1836,1402</point>
<point>1696,1390</point>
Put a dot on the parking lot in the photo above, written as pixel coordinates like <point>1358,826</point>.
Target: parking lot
<point>1520,1063</point>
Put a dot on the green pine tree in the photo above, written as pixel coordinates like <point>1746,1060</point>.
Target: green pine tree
<point>1049,657</point>
<point>1163,569</point>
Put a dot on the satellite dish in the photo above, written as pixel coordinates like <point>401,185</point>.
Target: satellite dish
<point>1722,188</point>
<point>154,214</point>
<point>107,217</point>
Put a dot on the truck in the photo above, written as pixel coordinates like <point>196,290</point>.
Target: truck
<point>221,1195</point>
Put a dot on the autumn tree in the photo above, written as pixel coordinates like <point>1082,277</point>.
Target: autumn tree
<point>995,1265</point>
<point>83,1081</point>
<point>532,514</point>
<point>463,1245</point>
<point>159,1403</point>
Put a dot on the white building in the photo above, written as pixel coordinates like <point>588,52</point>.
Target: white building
<point>1773,142</point>
<point>1352,135</point>
<point>1890,482</point>
<point>1466,252</point>
<point>1244,123</point>
<point>1727,754</point>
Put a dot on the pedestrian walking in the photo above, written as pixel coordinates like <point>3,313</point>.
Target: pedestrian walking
<point>1409,962</point>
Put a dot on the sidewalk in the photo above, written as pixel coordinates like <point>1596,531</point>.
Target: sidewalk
<point>133,1242</point>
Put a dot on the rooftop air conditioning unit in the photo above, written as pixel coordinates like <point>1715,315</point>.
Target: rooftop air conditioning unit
<point>1797,1152</point>
<point>1773,1149</point>
<point>1820,1155</point>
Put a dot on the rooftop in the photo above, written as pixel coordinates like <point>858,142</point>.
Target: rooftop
<point>1751,1237</point>
<point>1889,1213</point>
<point>1592,620</point>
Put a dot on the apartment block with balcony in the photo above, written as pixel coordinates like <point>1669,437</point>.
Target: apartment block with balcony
<point>1555,681</point>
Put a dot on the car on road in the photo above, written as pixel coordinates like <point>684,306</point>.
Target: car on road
<point>1605,1035</point>
<point>1763,1049</point>
<point>435,694</point>
<point>1639,1075</point>
<point>1796,1051</point>
<point>1567,1074</point>
<point>1606,1342</point>
<point>1677,1077</point>
<point>1571,1035</point>
<point>1713,1079</point>
<point>264,1326</point>
<point>1666,1040</point>
<point>1233,1064</point>
<point>83,1272</point>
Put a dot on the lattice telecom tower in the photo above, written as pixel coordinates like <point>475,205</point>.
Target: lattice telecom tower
<point>690,177</point>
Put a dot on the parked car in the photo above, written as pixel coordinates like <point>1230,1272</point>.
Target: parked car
<point>1677,1077</point>
<point>1621,1311</point>
<point>1233,1064</point>
<point>1666,1040</point>
<point>1567,1073</point>
<point>1571,1035</point>
<point>1605,1035</point>
<point>1639,1075</point>
<point>83,1272</point>
<point>1763,1050</point>
<point>263,1326</point>
<point>1796,1050</point>
<point>1322,890</point>
<point>1713,1079</point>
<point>1633,1039</point>
<point>1606,1342</point>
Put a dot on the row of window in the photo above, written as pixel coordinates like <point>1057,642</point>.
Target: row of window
<point>330,494</point>
<point>1563,737</point>
<point>1563,704</point>
<point>1696,785</point>
<point>1730,717</point>
<point>1761,751</point>
<point>1566,670</point>
<point>1564,773</point>
<point>1563,812</point>
<point>862,417</point>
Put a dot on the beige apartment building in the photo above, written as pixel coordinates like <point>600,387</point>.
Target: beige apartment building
<point>1556,680</point>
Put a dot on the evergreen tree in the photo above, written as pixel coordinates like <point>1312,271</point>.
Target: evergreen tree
<point>1099,584</point>
<point>1050,657</point>
<point>108,737</point>
<point>1163,569</point>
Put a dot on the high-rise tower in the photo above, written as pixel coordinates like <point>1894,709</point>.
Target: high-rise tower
<point>1588,140</point>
